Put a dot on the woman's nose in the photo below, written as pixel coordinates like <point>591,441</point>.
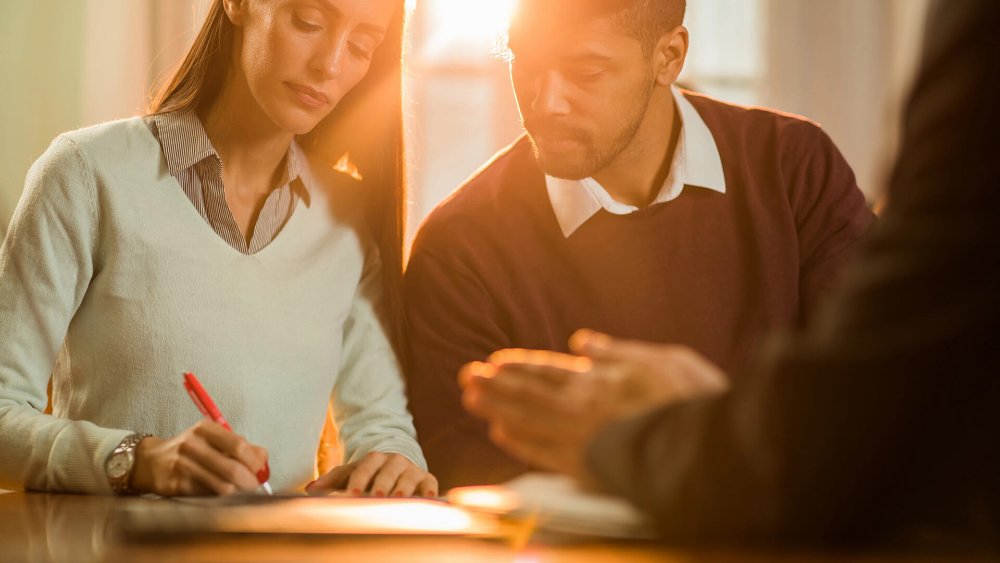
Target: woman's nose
<point>328,62</point>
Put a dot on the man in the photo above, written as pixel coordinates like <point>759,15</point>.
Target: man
<point>630,207</point>
<point>879,423</point>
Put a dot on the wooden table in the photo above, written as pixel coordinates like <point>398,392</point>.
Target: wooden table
<point>77,528</point>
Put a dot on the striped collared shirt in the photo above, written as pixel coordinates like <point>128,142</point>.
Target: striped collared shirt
<point>193,161</point>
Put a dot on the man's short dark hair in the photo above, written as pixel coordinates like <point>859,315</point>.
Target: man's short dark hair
<point>646,20</point>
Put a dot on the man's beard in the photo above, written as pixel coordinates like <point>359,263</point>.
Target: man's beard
<point>595,158</point>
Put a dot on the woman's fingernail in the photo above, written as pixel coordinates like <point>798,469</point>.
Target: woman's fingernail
<point>379,494</point>
<point>356,492</point>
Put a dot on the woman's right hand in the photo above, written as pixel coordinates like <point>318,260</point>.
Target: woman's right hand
<point>205,459</point>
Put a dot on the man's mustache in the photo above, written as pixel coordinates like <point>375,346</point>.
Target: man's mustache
<point>553,130</point>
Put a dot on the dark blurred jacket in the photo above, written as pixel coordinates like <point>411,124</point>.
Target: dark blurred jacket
<point>881,422</point>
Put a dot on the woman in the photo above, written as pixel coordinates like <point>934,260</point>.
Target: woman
<point>203,238</point>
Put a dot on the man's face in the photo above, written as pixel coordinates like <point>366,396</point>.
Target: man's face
<point>582,92</point>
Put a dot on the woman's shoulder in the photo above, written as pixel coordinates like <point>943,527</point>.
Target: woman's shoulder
<point>109,137</point>
<point>82,156</point>
<point>113,145</point>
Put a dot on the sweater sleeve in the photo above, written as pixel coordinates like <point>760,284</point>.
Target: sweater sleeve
<point>831,213</point>
<point>46,263</point>
<point>368,398</point>
<point>451,320</point>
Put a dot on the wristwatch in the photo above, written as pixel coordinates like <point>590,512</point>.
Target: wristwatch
<point>118,466</point>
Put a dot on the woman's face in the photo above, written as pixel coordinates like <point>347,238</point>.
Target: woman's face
<point>300,57</point>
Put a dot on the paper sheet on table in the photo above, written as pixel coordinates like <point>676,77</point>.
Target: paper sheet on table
<point>558,504</point>
<point>304,515</point>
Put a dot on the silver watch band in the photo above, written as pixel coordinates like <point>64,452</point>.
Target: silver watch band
<point>123,456</point>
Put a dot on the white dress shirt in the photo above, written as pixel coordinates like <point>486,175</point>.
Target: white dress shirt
<point>696,162</point>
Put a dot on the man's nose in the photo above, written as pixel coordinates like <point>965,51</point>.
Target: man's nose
<point>550,96</point>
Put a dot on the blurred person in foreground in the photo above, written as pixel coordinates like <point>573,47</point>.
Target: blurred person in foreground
<point>876,424</point>
<point>213,235</point>
<point>630,206</point>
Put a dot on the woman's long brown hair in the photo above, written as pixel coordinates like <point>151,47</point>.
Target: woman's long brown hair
<point>367,124</point>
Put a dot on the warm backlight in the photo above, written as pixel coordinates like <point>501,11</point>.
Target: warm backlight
<point>345,166</point>
<point>496,500</point>
<point>469,19</point>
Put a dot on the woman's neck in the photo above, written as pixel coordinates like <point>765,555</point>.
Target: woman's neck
<point>251,147</point>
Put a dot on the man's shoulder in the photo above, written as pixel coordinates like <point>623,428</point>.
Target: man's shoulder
<point>736,124</point>
<point>488,195</point>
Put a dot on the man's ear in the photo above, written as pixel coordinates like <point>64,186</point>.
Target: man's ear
<point>234,11</point>
<point>669,55</point>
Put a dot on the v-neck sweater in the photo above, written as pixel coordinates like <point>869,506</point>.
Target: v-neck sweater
<point>492,268</point>
<point>112,283</point>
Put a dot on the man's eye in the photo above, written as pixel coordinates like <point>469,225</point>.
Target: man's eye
<point>586,75</point>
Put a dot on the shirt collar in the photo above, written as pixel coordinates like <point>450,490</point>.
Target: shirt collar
<point>696,162</point>
<point>185,143</point>
<point>293,172</point>
<point>183,139</point>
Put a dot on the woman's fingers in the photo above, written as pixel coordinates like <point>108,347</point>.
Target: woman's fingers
<point>407,483</point>
<point>226,468</point>
<point>416,482</point>
<point>334,479</point>
<point>195,479</point>
<point>382,474</point>
<point>204,459</point>
<point>428,486</point>
<point>364,472</point>
<point>388,475</point>
<point>254,458</point>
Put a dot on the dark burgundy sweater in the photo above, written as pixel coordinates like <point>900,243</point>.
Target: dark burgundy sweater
<point>491,269</point>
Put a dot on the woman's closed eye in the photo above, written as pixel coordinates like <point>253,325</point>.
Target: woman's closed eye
<point>306,22</point>
<point>360,50</point>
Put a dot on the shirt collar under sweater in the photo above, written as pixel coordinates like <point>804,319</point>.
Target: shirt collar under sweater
<point>185,143</point>
<point>696,162</point>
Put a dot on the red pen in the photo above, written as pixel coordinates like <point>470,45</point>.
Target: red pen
<point>206,405</point>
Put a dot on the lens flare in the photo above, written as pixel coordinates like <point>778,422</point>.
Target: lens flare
<point>345,166</point>
<point>470,20</point>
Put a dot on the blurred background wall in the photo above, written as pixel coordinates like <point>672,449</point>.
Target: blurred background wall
<point>845,63</point>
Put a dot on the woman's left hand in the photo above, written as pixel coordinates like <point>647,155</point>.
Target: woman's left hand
<point>380,474</point>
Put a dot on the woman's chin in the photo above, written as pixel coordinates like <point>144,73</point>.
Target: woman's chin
<point>299,126</point>
<point>296,121</point>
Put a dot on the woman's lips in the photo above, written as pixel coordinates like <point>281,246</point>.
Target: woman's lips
<point>308,96</point>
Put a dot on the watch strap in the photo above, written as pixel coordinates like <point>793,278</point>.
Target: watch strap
<point>121,485</point>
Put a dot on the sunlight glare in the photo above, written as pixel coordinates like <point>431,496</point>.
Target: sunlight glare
<point>470,21</point>
<point>493,499</point>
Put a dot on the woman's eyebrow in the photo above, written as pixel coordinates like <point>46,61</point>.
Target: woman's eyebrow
<point>372,28</point>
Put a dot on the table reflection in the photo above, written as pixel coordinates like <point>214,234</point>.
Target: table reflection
<point>45,527</point>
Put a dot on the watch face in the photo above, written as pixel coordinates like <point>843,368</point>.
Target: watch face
<point>119,465</point>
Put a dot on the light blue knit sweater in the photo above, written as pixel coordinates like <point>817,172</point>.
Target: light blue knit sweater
<point>107,267</point>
